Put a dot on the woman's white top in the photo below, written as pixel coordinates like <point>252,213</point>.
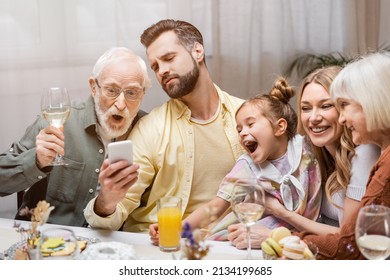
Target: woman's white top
<point>364,159</point>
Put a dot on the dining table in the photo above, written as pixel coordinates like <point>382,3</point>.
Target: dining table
<point>218,250</point>
<point>221,260</point>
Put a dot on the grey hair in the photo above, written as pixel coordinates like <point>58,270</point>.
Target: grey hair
<point>367,81</point>
<point>119,52</point>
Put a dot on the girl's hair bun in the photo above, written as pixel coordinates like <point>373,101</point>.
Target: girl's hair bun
<point>281,90</point>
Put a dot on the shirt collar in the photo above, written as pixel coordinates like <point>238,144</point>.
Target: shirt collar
<point>90,118</point>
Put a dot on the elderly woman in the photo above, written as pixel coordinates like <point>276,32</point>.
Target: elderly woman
<point>362,94</point>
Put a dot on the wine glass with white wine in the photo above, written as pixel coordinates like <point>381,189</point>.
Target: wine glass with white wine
<point>373,232</point>
<point>55,107</point>
<point>248,204</point>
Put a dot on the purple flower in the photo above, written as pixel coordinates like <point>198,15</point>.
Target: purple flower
<point>187,233</point>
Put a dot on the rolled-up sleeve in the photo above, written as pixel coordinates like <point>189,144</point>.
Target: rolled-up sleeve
<point>113,221</point>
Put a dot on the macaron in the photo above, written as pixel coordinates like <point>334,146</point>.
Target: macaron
<point>271,247</point>
<point>279,233</point>
<point>294,251</point>
<point>289,239</point>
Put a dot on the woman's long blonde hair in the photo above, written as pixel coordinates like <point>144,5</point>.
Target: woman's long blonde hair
<point>335,172</point>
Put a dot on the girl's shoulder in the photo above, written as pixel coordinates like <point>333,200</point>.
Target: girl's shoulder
<point>302,143</point>
<point>307,146</point>
<point>308,155</point>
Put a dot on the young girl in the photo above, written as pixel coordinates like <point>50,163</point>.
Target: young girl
<point>275,154</point>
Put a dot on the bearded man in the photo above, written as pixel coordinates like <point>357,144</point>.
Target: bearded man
<point>186,146</point>
<point>118,83</point>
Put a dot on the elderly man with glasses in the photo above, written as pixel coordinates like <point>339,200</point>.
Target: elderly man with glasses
<point>118,85</point>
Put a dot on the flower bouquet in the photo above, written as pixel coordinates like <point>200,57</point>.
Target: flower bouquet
<point>195,247</point>
<point>39,215</point>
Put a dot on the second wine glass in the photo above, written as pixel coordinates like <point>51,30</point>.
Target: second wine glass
<point>248,204</point>
<point>373,231</point>
<point>55,107</point>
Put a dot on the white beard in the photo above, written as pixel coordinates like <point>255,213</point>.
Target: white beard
<point>103,118</point>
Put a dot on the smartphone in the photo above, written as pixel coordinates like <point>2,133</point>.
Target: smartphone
<point>122,150</point>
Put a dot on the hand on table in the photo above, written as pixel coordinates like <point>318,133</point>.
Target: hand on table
<point>153,232</point>
<point>237,235</point>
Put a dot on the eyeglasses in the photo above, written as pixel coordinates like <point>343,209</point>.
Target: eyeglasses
<point>133,94</point>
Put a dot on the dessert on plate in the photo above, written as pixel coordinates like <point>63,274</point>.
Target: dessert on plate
<point>282,245</point>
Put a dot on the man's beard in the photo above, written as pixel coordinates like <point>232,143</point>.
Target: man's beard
<point>184,86</point>
<point>103,116</point>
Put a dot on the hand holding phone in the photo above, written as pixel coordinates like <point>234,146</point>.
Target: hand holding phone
<point>122,150</point>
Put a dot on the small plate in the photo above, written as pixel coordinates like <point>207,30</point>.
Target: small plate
<point>9,254</point>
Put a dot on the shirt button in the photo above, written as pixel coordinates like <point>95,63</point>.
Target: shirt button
<point>189,131</point>
<point>40,177</point>
<point>97,170</point>
<point>90,191</point>
<point>101,151</point>
<point>11,150</point>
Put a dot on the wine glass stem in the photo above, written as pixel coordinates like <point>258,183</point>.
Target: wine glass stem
<point>249,248</point>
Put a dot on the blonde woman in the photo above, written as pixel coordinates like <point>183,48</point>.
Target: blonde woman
<point>344,167</point>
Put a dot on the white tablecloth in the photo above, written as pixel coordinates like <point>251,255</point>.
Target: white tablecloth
<point>218,250</point>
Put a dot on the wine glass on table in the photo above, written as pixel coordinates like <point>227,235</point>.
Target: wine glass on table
<point>372,232</point>
<point>248,204</point>
<point>55,107</point>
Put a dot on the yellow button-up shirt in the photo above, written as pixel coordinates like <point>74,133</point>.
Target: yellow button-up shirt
<point>163,143</point>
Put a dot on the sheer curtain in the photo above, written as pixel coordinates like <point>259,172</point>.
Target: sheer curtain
<point>56,42</point>
<point>248,43</point>
<point>257,39</point>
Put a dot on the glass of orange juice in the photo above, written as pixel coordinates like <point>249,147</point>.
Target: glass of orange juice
<point>169,223</point>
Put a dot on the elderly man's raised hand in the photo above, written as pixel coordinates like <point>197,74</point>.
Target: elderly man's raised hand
<point>49,142</point>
